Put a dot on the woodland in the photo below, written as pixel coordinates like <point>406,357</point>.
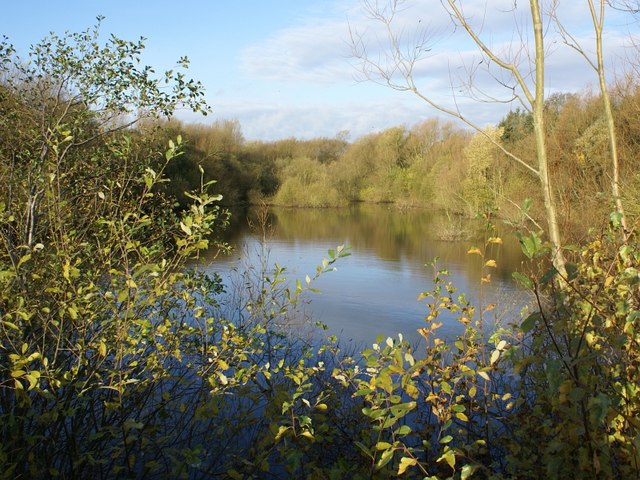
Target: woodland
<point>117,359</point>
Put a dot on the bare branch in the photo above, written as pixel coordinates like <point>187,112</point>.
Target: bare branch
<point>397,69</point>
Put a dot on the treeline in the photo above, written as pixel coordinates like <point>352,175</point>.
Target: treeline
<point>432,164</point>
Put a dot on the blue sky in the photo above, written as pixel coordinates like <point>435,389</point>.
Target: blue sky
<point>283,67</point>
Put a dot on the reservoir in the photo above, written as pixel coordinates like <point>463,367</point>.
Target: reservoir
<point>375,290</point>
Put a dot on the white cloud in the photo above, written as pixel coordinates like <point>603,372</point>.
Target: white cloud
<point>308,53</point>
<point>270,121</point>
<point>301,74</point>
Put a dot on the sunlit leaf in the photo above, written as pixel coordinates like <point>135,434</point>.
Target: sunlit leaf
<point>406,462</point>
<point>449,457</point>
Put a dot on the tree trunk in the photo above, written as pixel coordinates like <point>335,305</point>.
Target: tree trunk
<point>598,24</point>
<point>541,143</point>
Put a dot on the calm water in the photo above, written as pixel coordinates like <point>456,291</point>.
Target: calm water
<point>374,291</point>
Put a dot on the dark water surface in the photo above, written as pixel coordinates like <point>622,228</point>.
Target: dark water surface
<point>374,291</point>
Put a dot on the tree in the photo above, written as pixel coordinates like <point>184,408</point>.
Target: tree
<point>525,87</point>
<point>597,18</point>
<point>93,293</point>
<point>71,93</point>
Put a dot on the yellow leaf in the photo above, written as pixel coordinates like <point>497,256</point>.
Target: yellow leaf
<point>496,240</point>
<point>309,435</point>
<point>490,263</point>
<point>33,381</point>
<point>185,229</point>
<point>450,457</point>
<point>102,349</point>
<point>462,417</point>
<point>475,251</point>
<point>495,356</point>
<point>406,462</point>
<point>281,431</point>
<point>424,332</point>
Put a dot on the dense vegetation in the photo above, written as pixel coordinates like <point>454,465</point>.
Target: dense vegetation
<point>118,361</point>
<point>433,164</point>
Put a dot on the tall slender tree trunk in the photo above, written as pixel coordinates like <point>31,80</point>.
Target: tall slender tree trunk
<point>598,24</point>
<point>539,128</point>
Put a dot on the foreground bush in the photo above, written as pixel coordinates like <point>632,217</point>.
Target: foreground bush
<point>553,396</point>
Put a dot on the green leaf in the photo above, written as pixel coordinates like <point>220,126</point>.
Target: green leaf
<point>572,271</point>
<point>12,326</point>
<point>531,245</point>
<point>549,275</point>
<point>363,447</point>
<point>385,458</point>
<point>528,323</point>
<point>24,259</point>
<point>522,280</point>
<point>615,218</point>
<point>402,409</point>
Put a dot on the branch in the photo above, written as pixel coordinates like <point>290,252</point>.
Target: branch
<point>403,65</point>
<point>511,67</point>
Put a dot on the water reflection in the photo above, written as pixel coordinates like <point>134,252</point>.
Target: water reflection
<point>374,290</point>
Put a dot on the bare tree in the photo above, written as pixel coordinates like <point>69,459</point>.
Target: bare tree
<point>397,69</point>
<point>597,17</point>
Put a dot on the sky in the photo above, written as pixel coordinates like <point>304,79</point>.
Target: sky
<point>285,68</point>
